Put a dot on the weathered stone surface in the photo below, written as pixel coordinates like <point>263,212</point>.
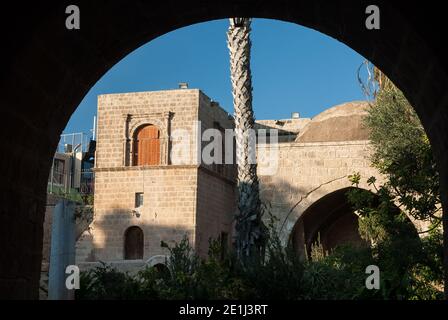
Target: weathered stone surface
<point>339,123</point>
<point>179,200</point>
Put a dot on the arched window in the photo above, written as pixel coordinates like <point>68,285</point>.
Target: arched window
<point>133,243</point>
<point>146,146</point>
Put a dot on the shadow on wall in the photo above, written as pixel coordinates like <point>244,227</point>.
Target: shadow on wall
<point>330,220</point>
<point>124,237</point>
<point>279,196</point>
<point>329,217</point>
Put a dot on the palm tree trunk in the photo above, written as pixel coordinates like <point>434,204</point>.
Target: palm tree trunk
<point>249,230</point>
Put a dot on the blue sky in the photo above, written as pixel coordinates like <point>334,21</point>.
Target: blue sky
<point>294,69</point>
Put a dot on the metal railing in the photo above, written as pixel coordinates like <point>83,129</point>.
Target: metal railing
<point>68,175</point>
<point>69,141</point>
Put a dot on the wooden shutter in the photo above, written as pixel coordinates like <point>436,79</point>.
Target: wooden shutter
<point>147,146</point>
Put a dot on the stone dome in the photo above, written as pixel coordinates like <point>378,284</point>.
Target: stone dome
<point>343,122</point>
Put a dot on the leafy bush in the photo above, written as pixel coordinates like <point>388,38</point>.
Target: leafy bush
<point>407,274</point>
<point>106,283</point>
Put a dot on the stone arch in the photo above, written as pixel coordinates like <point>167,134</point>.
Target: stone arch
<point>58,69</point>
<point>158,262</point>
<point>330,220</point>
<point>155,260</point>
<point>137,124</point>
<point>309,199</point>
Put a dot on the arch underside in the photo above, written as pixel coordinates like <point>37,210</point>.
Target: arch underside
<point>330,221</point>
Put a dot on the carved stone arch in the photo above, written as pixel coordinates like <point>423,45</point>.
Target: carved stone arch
<point>135,125</point>
<point>133,122</point>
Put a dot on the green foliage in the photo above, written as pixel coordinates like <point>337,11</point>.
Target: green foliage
<point>402,152</point>
<point>411,268</point>
<point>87,199</point>
<point>282,275</point>
<point>339,275</point>
<point>106,283</point>
<point>394,242</point>
<point>72,194</point>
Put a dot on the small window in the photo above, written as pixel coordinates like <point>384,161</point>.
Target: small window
<point>139,199</point>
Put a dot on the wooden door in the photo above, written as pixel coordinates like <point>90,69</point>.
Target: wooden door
<point>133,244</point>
<point>147,146</point>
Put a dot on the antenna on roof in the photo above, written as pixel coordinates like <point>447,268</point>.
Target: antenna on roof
<point>94,128</point>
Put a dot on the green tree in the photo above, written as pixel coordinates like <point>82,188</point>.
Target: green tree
<point>402,153</point>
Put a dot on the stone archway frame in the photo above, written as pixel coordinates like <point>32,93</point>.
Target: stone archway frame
<point>132,122</point>
<point>314,195</point>
<point>157,259</point>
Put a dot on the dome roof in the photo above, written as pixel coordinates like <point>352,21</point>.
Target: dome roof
<point>343,122</point>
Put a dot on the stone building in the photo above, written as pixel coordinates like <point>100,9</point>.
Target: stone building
<point>308,192</point>
<point>149,183</point>
<point>146,193</point>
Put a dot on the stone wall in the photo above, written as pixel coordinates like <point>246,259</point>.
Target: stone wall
<point>308,171</point>
<point>169,191</point>
<point>179,198</point>
<point>168,212</point>
<point>120,115</point>
<point>216,182</point>
<point>216,206</point>
<point>212,116</point>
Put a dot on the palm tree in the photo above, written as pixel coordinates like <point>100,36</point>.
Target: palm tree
<point>249,237</point>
